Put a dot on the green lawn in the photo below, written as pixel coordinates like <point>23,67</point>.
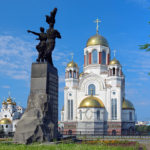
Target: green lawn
<point>8,146</point>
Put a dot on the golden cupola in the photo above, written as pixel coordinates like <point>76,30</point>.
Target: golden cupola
<point>5,121</point>
<point>72,70</point>
<point>91,102</point>
<point>97,40</point>
<point>114,62</point>
<point>126,104</point>
<point>4,102</point>
<point>72,64</point>
<point>9,100</point>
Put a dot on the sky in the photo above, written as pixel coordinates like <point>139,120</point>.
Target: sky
<point>124,23</point>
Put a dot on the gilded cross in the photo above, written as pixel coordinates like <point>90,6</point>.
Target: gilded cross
<point>72,54</point>
<point>114,53</point>
<point>97,21</point>
<point>9,93</point>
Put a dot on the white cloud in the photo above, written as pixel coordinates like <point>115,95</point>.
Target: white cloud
<point>16,56</point>
<point>6,86</point>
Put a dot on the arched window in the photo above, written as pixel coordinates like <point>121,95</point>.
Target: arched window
<point>94,56</point>
<point>130,115</point>
<point>74,74</point>
<point>87,58</point>
<point>113,71</point>
<point>91,89</point>
<point>98,115</point>
<point>104,57</point>
<point>70,109</point>
<point>114,108</point>
<point>70,74</point>
<point>80,114</point>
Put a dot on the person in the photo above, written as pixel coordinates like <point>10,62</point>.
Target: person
<point>41,47</point>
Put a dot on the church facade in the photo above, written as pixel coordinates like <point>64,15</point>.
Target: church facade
<point>10,114</point>
<point>94,100</point>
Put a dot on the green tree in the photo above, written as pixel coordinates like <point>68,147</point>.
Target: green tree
<point>146,47</point>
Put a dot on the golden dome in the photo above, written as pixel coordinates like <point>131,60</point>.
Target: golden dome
<point>10,103</point>
<point>5,121</point>
<point>127,104</point>
<point>114,62</point>
<point>4,103</point>
<point>14,103</point>
<point>72,64</point>
<point>97,40</point>
<point>81,74</point>
<point>9,99</point>
<point>91,101</point>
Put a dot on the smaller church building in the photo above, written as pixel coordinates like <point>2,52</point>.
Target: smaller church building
<point>94,100</point>
<point>9,115</point>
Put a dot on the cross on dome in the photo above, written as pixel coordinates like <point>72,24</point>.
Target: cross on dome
<point>97,21</point>
<point>114,53</point>
<point>72,54</point>
<point>9,93</point>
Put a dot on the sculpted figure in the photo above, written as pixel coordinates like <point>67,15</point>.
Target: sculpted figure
<point>41,47</point>
<point>47,40</point>
<point>52,34</point>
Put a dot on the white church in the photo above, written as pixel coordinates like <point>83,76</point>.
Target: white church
<point>94,100</point>
<point>9,115</point>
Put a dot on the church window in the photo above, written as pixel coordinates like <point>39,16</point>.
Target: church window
<point>6,126</point>
<point>87,58</point>
<point>80,114</point>
<point>94,56</point>
<point>70,74</point>
<point>70,109</point>
<point>114,92</point>
<point>70,94</point>
<point>103,57</point>
<point>5,116</point>
<point>113,71</point>
<point>74,74</point>
<point>114,108</point>
<point>130,115</point>
<point>91,89</point>
<point>98,115</point>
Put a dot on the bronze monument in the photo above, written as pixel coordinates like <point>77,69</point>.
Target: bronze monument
<point>39,123</point>
<point>47,40</point>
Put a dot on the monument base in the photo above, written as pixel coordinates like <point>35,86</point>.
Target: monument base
<point>39,123</point>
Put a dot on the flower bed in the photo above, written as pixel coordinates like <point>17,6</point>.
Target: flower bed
<point>111,142</point>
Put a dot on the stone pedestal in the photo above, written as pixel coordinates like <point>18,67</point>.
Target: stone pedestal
<point>39,122</point>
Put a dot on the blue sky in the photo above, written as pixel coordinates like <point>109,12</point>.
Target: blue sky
<point>124,24</point>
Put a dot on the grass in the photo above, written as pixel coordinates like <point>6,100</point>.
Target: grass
<point>10,146</point>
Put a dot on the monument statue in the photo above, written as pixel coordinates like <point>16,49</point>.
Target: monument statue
<point>41,47</point>
<point>39,123</point>
<point>47,40</point>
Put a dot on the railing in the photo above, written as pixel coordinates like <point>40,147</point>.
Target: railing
<point>102,134</point>
<point>7,135</point>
